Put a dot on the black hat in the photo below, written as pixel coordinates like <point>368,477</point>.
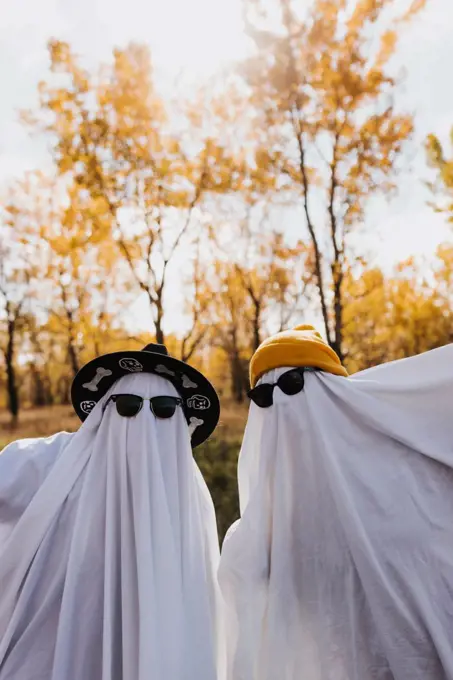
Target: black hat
<point>200,400</point>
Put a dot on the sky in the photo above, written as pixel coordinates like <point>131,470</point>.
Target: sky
<point>198,37</point>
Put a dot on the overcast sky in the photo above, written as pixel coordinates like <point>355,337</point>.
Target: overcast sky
<point>200,36</point>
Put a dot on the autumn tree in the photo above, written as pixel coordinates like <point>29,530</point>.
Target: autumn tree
<point>257,285</point>
<point>275,278</point>
<point>400,315</point>
<point>198,303</point>
<point>322,90</point>
<point>13,304</point>
<point>17,291</point>
<point>365,318</point>
<point>442,186</point>
<point>77,283</point>
<point>443,274</point>
<point>134,182</point>
<point>229,324</point>
<point>73,273</point>
<point>47,365</point>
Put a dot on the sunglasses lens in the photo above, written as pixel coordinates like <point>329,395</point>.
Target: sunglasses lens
<point>163,407</point>
<point>128,405</point>
<point>291,382</point>
<point>262,395</point>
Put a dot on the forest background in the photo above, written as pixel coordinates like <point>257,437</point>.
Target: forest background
<point>209,207</point>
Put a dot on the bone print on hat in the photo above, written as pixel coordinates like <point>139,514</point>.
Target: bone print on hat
<point>163,370</point>
<point>187,383</point>
<point>194,423</point>
<point>101,373</point>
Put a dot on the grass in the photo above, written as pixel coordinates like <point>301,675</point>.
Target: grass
<point>37,422</point>
<point>217,457</point>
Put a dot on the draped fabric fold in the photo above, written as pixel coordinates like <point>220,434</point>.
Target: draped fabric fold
<point>341,566</point>
<point>108,551</point>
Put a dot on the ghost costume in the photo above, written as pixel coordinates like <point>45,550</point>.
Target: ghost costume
<point>341,566</point>
<point>108,551</point>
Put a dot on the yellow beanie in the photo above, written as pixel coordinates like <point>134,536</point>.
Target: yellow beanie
<point>302,346</point>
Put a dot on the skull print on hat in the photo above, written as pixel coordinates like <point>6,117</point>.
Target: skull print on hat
<point>131,365</point>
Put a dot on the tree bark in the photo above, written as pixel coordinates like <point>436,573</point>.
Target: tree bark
<point>337,344</point>
<point>63,390</point>
<point>311,229</point>
<point>13,393</point>
<point>256,324</point>
<point>296,109</point>
<point>238,384</point>
<point>73,356</point>
<point>337,264</point>
<point>238,380</point>
<point>160,336</point>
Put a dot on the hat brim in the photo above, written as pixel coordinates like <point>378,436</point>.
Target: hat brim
<point>200,400</point>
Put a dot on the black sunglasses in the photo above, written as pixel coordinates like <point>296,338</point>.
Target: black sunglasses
<point>292,382</point>
<point>129,405</point>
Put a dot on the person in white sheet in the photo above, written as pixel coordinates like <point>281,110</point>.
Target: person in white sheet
<point>341,566</point>
<point>108,541</point>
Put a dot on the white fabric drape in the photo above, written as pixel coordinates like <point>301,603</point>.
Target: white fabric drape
<point>108,551</point>
<point>341,566</point>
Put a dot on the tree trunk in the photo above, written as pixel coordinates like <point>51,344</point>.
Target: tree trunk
<point>337,344</point>
<point>48,384</point>
<point>72,349</point>
<point>160,337</point>
<point>63,390</point>
<point>40,393</point>
<point>13,394</point>
<point>237,382</point>
<point>41,372</point>
<point>256,325</point>
<point>337,264</point>
<point>99,335</point>
<point>73,357</point>
<point>311,229</point>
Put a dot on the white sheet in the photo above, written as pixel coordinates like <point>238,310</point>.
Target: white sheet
<point>108,552</point>
<point>341,567</point>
